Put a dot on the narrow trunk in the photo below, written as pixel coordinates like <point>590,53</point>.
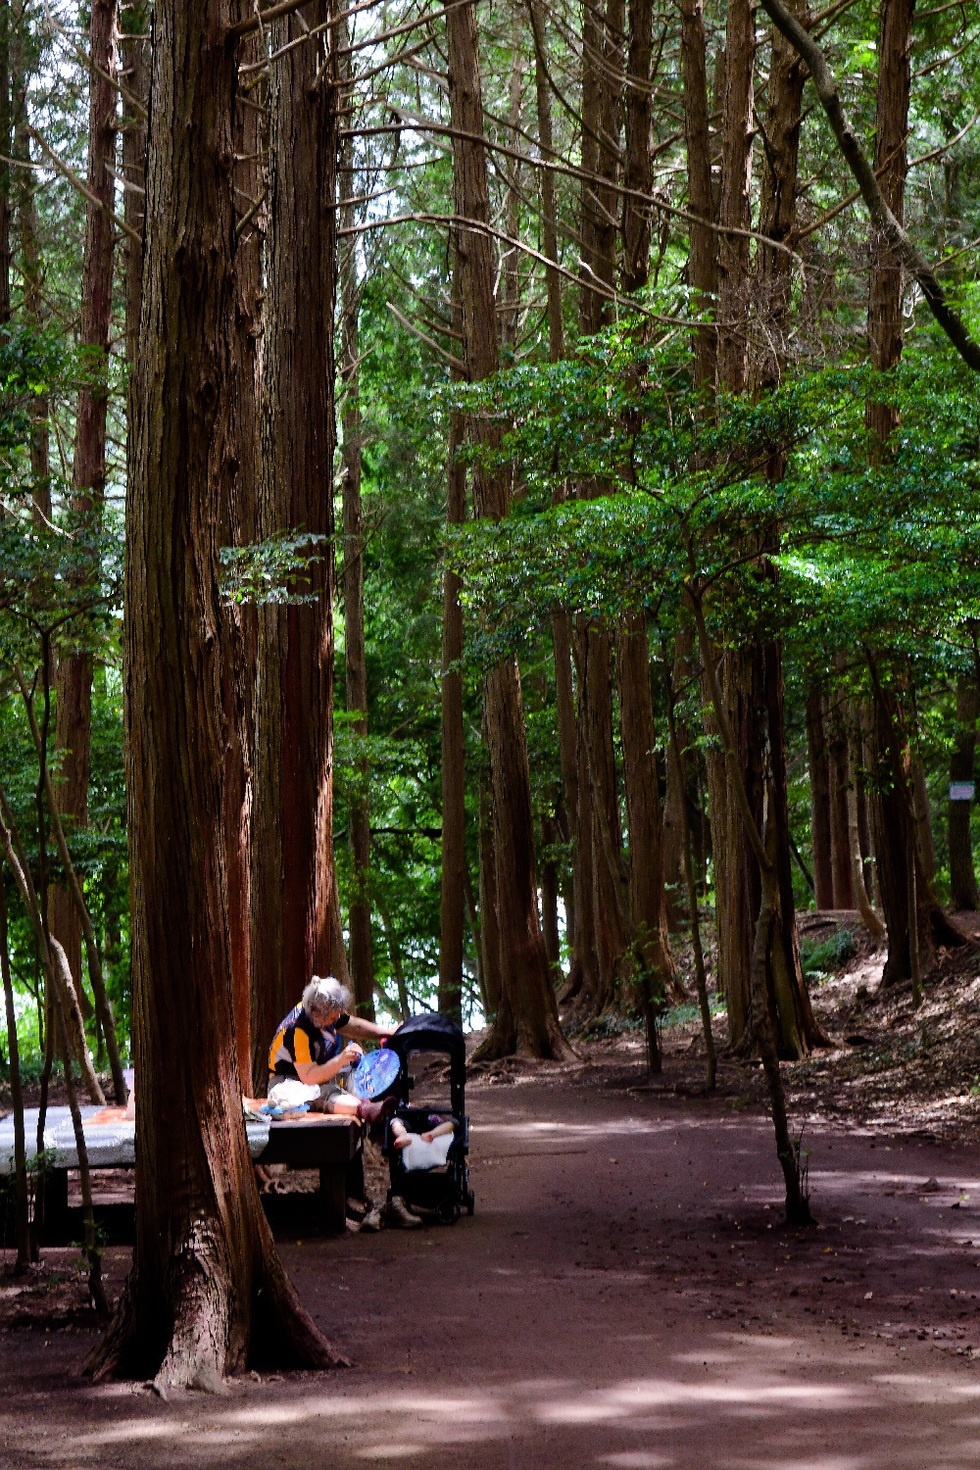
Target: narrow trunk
<point>702,273</point>
<point>840,782</point>
<point>638,172</point>
<point>489,917</point>
<point>359,820</point>
<point>816,745</point>
<point>293,881</point>
<point>678,797</point>
<point>453,750</point>
<point>962,877</point>
<point>22,1225</point>
<point>527,1017</point>
<point>855,791</point>
<point>656,975</point>
<point>735,207</point>
<point>206,1277</point>
<point>73,728</point>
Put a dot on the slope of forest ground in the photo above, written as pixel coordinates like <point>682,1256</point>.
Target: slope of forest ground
<point>625,1294</point>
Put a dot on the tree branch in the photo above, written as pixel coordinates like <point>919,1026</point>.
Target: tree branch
<point>882,218</point>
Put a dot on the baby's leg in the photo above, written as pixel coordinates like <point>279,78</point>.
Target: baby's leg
<point>442,1129</point>
<point>400,1133</point>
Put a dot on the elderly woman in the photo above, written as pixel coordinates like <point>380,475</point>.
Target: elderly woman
<point>309,1045</point>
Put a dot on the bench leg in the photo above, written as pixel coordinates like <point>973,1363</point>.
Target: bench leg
<point>355,1177</point>
<point>55,1224</point>
<point>333,1198</point>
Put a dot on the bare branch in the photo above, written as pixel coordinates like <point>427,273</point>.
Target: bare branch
<point>864,175</point>
<point>79,184</point>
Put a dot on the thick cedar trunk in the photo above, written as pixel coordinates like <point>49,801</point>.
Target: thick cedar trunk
<point>610,907</point>
<point>816,744</point>
<point>206,1276</point>
<point>962,877</point>
<point>359,819</point>
<point>527,1016</point>
<point>549,897</point>
<point>294,928</point>
<point>453,867</point>
<point>702,274</point>
<point>923,819</point>
<point>648,905</point>
<point>74,675</point>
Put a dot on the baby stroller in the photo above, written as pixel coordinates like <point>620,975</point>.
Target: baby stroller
<point>444,1191</point>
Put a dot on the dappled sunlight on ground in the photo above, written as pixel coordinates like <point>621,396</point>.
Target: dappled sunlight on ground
<point>742,1413</point>
<point>625,1296</point>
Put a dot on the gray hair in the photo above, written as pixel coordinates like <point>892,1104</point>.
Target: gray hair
<point>324,993</point>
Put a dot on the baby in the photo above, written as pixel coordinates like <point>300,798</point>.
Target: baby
<point>427,1150</point>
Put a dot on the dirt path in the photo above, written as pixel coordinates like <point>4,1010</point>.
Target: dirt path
<point>623,1296</point>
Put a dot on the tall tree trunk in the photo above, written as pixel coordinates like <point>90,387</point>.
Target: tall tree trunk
<point>359,819</point>
<point>962,760</point>
<point>816,743</point>
<point>6,111</point>
<point>644,818</point>
<point>735,207</point>
<point>840,778</point>
<point>702,272</point>
<point>22,1227</point>
<point>134,55</point>
<point>206,1275</point>
<point>915,921</point>
<point>73,727</point>
<point>453,866</point>
<point>489,914</point>
<point>293,880</point>
<point>638,172</point>
<point>527,1017</point>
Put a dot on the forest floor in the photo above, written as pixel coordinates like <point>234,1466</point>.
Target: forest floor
<point>625,1294</point>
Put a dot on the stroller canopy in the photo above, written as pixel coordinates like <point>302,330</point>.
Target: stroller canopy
<point>430,1032</point>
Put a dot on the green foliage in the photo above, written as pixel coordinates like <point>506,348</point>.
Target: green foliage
<point>820,957</point>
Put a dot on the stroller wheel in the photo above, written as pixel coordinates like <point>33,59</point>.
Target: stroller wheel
<point>447,1212</point>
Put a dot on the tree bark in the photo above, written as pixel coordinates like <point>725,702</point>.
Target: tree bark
<point>816,741</point>
<point>644,818</point>
<point>841,777</point>
<point>702,273</point>
<point>915,921</point>
<point>293,879</point>
<point>962,876</point>
<point>527,1017</point>
<point>735,206</point>
<point>453,866</point>
<point>638,171</point>
<point>206,1278</point>
<point>22,1225</point>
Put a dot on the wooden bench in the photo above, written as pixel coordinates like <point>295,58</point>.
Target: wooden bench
<point>326,1142</point>
<point>331,1144</point>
